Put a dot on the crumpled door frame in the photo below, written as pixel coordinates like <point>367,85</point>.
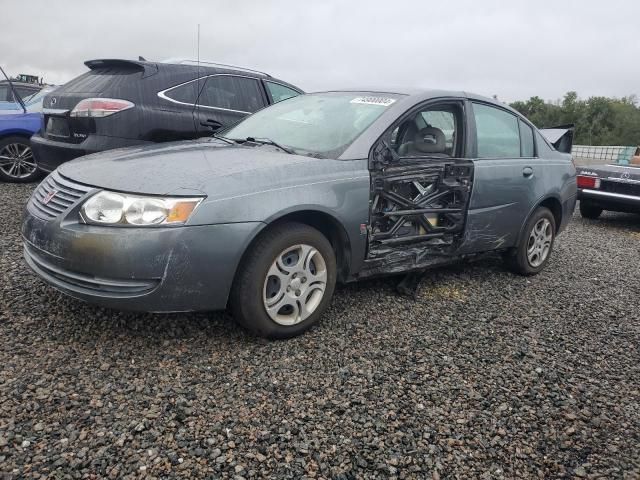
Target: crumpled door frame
<point>444,189</point>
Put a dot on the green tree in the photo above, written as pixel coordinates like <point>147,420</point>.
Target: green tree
<point>598,120</point>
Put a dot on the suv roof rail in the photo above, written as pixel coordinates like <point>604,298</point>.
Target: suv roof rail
<point>186,61</point>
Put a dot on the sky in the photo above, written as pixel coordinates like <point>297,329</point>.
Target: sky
<point>513,49</point>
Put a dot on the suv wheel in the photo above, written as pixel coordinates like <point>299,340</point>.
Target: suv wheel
<point>534,249</point>
<point>285,282</point>
<point>589,211</point>
<point>17,163</point>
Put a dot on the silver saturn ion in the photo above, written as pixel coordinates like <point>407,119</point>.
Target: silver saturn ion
<point>267,216</point>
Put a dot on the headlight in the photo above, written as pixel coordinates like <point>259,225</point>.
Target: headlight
<point>110,208</point>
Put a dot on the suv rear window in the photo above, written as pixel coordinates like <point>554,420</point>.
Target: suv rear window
<point>96,81</point>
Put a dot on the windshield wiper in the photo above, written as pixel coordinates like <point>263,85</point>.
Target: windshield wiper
<point>230,141</point>
<point>268,141</point>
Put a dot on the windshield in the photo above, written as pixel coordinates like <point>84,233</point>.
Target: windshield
<point>33,103</point>
<point>320,124</point>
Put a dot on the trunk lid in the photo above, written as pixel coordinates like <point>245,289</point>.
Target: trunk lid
<point>561,137</point>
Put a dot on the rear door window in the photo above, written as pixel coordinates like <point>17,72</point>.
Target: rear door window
<point>230,92</point>
<point>497,132</point>
<point>280,92</point>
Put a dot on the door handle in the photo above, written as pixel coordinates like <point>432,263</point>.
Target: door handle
<point>211,123</point>
<point>527,171</point>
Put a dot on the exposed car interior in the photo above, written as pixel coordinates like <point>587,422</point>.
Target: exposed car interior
<point>418,202</point>
<point>430,133</point>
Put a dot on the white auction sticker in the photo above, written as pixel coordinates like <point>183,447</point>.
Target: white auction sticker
<point>382,101</point>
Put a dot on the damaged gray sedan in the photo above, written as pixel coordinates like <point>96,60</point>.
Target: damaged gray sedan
<point>318,189</point>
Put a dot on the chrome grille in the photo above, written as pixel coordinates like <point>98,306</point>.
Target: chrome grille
<point>55,195</point>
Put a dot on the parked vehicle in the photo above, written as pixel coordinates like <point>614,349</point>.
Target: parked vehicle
<point>16,127</point>
<point>123,103</point>
<point>326,187</point>
<point>608,187</point>
<point>22,88</point>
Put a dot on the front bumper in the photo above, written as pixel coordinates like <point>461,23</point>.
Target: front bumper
<point>50,154</point>
<point>176,269</point>
<point>610,200</point>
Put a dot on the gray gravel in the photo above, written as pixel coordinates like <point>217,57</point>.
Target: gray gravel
<point>484,375</point>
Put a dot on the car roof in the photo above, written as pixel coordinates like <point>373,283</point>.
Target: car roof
<point>416,95</point>
<point>204,68</point>
<point>409,97</point>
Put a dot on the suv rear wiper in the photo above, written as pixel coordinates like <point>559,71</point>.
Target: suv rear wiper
<point>268,141</point>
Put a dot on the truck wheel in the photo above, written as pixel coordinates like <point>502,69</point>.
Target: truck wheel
<point>536,244</point>
<point>17,163</point>
<point>588,210</point>
<point>285,282</point>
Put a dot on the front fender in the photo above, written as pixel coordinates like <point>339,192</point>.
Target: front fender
<point>343,195</point>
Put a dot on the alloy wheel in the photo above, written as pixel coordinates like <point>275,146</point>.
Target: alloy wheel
<point>295,284</point>
<point>539,244</point>
<point>16,161</point>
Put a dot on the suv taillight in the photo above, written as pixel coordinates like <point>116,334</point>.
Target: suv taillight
<point>100,107</point>
<point>588,182</point>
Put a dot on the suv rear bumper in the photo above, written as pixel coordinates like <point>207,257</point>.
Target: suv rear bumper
<point>50,154</point>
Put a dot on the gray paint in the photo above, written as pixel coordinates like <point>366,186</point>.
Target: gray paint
<point>249,187</point>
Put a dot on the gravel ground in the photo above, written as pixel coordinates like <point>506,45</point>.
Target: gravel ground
<point>483,375</point>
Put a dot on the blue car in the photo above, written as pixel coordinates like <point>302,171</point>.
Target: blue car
<point>17,163</point>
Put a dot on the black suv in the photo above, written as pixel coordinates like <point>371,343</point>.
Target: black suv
<point>122,103</point>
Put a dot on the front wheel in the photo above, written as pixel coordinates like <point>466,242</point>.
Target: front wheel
<point>17,163</point>
<point>285,282</point>
<point>533,252</point>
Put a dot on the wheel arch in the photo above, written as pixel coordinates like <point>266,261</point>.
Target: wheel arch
<point>554,204</point>
<point>323,221</point>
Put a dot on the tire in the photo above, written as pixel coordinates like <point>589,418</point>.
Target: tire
<point>288,287</point>
<point>17,163</point>
<point>590,211</point>
<point>523,262</point>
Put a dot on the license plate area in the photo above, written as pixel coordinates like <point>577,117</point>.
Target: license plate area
<point>58,127</point>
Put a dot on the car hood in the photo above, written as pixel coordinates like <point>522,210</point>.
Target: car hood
<point>622,172</point>
<point>208,167</point>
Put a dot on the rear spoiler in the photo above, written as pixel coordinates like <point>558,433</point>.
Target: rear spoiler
<point>146,67</point>
<point>561,136</point>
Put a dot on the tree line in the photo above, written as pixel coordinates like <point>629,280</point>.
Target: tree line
<point>598,120</point>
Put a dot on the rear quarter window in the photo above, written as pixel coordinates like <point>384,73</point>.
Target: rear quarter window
<point>526,139</point>
<point>187,93</point>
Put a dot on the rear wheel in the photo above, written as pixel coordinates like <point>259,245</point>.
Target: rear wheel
<point>285,282</point>
<point>533,251</point>
<point>588,210</point>
<point>17,163</point>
